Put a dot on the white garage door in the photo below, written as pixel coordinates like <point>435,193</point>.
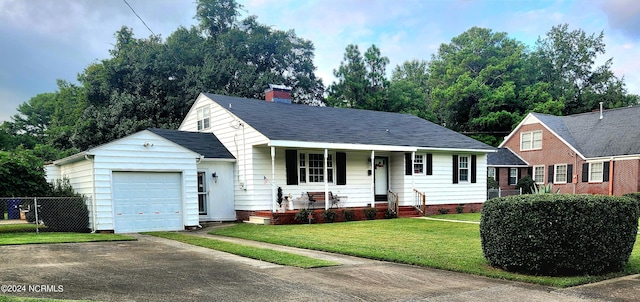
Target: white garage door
<point>147,201</point>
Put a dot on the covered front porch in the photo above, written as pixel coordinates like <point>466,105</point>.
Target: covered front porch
<point>324,176</point>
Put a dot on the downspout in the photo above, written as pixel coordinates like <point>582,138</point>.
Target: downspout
<point>273,177</point>
<point>326,180</point>
<point>611,164</point>
<point>93,193</point>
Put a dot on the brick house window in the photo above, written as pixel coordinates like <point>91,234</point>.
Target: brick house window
<point>513,176</point>
<point>596,172</point>
<point>531,140</point>
<point>560,174</point>
<point>491,173</point>
<point>538,174</point>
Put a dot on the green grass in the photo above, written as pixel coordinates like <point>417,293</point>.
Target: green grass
<point>44,238</point>
<point>22,227</point>
<point>475,217</point>
<point>268,255</point>
<point>437,244</point>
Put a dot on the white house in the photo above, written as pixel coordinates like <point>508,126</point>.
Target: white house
<point>152,180</point>
<point>167,179</point>
<point>359,154</point>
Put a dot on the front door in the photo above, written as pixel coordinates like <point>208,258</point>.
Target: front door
<point>202,193</point>
<point>381,178</point>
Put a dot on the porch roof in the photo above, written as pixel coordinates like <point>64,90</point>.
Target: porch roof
<point>345,127</point>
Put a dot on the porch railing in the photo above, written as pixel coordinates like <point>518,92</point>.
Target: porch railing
<point>420,201</point>
<point>392,199</point>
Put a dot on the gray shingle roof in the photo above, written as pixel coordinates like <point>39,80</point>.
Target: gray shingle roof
<point>297,122</point>
<point>616,134</point>
<point>505,157</point>
<point>205,144</point>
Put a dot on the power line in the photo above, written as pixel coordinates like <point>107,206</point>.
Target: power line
<point>134,12</point>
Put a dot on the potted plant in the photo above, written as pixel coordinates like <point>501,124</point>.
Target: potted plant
<point>279,199</point>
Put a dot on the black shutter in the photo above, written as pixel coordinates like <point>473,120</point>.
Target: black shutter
<point>530,171</point>
<point>408,164</point>
<point>474,170</point>
<point>291,162</point>
<point>341,168</point>
<point>605,171</point>
<point>519,173</point>
<point>455,169</point>
<point>585,172</point>
<point>569,174</point>
<point>429,164</point>
<point>497,175</point>
<point>550,180</point>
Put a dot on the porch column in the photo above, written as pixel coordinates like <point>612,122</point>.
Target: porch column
<point>326,180</point>
<point>373,179</point>
<point>273,177</point>
<point>413,160</point>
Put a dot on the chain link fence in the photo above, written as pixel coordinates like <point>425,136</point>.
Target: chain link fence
<point>44,214</point>
<point>495,193</point>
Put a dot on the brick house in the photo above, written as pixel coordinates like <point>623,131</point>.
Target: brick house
<point>592,153</point>
<point>506,168</point>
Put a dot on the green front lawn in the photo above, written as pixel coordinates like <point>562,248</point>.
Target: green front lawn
<point>268,255</point>
<point>475,217</point>
<point>43,238</point>
<point>437,244</point>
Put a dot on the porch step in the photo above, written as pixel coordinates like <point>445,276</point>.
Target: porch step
<point>408,211</point>
<point>258,220</point>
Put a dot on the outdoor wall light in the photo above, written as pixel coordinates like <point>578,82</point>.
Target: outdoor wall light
<point>215,177</point>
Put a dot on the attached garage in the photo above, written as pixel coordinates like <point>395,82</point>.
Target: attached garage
<point>148,181</point>
<point>147,201</point>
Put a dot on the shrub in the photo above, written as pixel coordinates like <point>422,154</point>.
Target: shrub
<point>635,196</point>
<point>349,215</point>
<point>303,215</point>
<point>443,211</point>
<point>390,214</point>
<point>559,235</point>
<point>526,184</point>
<point>460,208</point>
<point>370,213</point>
<point>329,215</point>
<point>492,183</point>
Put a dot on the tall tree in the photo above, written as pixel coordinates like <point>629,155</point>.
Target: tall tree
<point>351,89</point>
<point>408,90</point>
<point>362,82</point>
<point>474,76</point>
<point>565,59</point>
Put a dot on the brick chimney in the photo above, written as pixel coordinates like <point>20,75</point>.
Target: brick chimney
<point>278,94</point>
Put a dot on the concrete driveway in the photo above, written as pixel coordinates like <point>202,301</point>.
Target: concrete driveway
<point>155,269</point>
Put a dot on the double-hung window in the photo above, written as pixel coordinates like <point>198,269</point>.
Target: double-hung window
<point>538,174</point>
<point>463,168</point>
<point>513,176</point>
<point>491,173</point>
<point>531,140</point>
<point>311,167</point>
<point>418,164</point>
<point>596,172</point>
<point>204,118</point>
<point>560,173</point>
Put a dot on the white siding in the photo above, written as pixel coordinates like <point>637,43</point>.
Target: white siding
<point>234,139</point>
<point>130,154</point>
<point>220,198</point>
<point>439,187</point>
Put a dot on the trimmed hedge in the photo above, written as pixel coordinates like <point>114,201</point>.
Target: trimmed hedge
<point>559,235</point>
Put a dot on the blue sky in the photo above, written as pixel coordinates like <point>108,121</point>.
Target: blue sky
<point>44,40</point>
